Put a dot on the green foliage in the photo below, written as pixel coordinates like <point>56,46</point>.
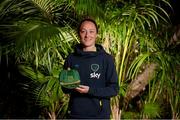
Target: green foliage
<point>151,110</point>
<point>31,73</point>
<point>88,8</point>
<point>45,90</point>
<point>130,115</point>
<point>40,38</point>
<point>41,34</point>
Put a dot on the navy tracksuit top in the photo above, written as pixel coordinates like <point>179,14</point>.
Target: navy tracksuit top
<point>97,70</point>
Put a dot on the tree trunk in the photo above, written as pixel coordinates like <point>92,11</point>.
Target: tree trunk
<point>137,85</point>
<point>52,115</point>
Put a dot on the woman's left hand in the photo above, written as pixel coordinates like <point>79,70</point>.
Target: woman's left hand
<point>82,89</point>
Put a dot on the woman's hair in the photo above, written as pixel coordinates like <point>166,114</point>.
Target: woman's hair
<point>90,20</point>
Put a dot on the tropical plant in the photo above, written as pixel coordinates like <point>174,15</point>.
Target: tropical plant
<point>131,39</point>
<point>46,91</point>
<point>132,31</point>
<point>40,43</point>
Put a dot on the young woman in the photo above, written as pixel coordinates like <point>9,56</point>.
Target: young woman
<point>99,81</point>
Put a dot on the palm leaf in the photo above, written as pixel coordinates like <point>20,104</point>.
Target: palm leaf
<point>151,110</point>
<point>89,8</point>
<point>31,73</point>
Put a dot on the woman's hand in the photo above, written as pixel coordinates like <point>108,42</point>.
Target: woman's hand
<point>82,89</point>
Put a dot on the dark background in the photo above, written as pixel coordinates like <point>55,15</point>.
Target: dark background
<point>175,17</point>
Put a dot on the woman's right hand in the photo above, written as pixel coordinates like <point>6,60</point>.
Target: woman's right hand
<point>82,89</point>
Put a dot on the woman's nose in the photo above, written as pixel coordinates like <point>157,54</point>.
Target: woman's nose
<point>87,33</point>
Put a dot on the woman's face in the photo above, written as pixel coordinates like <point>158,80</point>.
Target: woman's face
<point>88,33</point>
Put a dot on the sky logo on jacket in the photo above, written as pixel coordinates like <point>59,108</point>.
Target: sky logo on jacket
<point>95,68</point>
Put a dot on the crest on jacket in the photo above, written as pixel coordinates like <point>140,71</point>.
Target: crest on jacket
<point>95,68</point>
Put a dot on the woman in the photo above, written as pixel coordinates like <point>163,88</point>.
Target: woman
<point>98,76</point>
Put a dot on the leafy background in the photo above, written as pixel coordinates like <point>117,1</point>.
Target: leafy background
<point>37,35</point>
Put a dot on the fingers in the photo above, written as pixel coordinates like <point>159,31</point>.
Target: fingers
<point>82,86</point>
<point>82,89</point>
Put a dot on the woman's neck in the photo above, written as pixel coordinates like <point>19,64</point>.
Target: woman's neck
<point>91,48</point>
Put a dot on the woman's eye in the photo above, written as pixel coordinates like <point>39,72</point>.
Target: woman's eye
<point>82,31</point>
<point>91,31</point>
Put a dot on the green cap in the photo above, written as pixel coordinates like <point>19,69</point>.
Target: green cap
<point>69,78</point>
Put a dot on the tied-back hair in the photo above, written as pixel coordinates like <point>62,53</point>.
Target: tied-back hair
<point>90,20</point>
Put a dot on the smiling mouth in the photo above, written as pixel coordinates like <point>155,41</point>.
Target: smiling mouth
<point>87,39</point>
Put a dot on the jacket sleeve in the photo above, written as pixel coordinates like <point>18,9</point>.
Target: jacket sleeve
<point>112,86</point>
